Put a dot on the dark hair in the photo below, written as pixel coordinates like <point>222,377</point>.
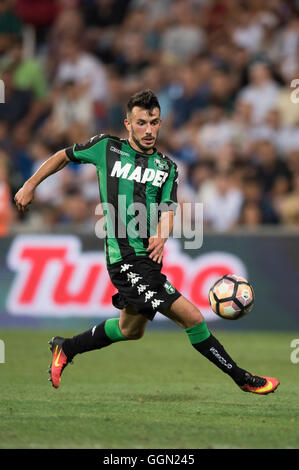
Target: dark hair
<point>145,99</point>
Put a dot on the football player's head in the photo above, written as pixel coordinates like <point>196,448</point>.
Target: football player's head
<point>143,120</point>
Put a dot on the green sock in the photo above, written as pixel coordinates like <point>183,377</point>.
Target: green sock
<point>198,333</point>
<point>112,330</point>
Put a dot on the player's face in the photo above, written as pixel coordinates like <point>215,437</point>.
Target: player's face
<point>143,127</point>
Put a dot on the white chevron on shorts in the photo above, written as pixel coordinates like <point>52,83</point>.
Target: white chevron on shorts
<point>133,277</point>
<point>125,267</point>
<point>156,302</point>
<point>149,294</point>
<point>141,288</point>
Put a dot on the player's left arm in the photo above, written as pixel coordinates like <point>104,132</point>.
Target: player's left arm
<point>168,206</point>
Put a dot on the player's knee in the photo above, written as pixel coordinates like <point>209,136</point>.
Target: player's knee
<point>194,319</point>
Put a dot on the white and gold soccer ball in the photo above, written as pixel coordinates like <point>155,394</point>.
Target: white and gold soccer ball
<point>231,297</point>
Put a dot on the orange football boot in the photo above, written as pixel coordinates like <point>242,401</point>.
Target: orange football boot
<point>260,385</point>
<point>59,360</point>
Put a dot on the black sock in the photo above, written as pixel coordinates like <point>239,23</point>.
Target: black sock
<point>92,339</point>
<point>215,352</point>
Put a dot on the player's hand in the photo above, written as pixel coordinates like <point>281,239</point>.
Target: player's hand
<point>156,248</point>
<point>24,197</point>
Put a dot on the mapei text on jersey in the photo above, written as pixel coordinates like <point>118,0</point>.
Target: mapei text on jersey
<point>139,174</point>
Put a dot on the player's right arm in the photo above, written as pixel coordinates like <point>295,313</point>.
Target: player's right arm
<point>89,152</point>
<point>25,195</point>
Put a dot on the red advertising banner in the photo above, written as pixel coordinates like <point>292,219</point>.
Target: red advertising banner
<point>55,278</point>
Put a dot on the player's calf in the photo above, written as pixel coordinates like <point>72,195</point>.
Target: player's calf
<point>132,335</point>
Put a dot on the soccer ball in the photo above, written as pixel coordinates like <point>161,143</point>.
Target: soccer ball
<point>231,297</point>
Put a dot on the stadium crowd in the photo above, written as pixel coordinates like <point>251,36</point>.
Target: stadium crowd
<point>222,71</point>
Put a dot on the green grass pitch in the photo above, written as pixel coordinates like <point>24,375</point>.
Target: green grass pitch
<point>155,393</point>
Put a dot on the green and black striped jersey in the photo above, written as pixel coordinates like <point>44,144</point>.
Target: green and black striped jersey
<point>134,189</point>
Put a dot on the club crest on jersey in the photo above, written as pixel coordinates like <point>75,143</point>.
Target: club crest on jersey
<point>160,164</point>
<point>139,174</point>
<point>169,288</point>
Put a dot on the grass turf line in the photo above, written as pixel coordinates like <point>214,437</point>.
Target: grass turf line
<point>157,392</point>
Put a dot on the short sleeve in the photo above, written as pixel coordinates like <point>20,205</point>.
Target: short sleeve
<point>91,151</point>
<point>169,189</point>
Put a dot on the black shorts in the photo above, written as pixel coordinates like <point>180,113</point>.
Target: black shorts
<point>141,284</point>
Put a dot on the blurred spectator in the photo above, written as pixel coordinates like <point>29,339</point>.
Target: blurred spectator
<point>72,105</point>
<point>104,13</point>
<point>68,25</point>
<point>192,97</point>
<point>102,19</point>
<point>261,92</point>
<point>11,25</point>
<point>248,31</point>
<point>115,103</point>
<point>280,189</point>
<point>222,92</point>
<point>269,165</point>
<point>268,130</point>
<point>83,69</point>
<point>254,197</point>
<point>216,131</point>
<point>28,72</point>
<point>289,207</point>
<point>200,173</point>
<point>251,215</point>
<point>19,104</point>
<point>241,125</point>
<point>132,56</point>
<point>156,78</point>
<point>222,202</point>
<point>285,47</point>
<point>183,39</point>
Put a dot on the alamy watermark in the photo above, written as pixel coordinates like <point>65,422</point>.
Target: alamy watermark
<point>138,220</point>
<point>2,351</point>
<point>295,353</point>
<point>2,92</point>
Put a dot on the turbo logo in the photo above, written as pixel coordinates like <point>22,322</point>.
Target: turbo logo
<point>53,277</point>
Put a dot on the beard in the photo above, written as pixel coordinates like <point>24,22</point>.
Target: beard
<point>140,144</point>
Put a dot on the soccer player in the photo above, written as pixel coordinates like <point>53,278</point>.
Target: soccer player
<point>133,174</point>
